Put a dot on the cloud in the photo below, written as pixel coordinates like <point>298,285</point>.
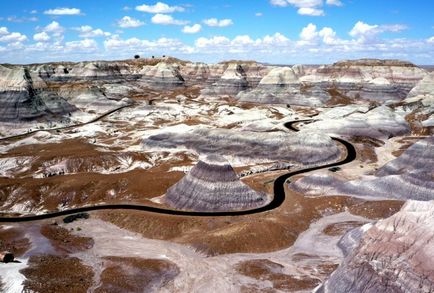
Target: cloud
<point>159,7</point>
<point>214,41</point>
<point>166,19</point>
<point>134,45</point>
<point>7,37</point>
<point>86,45</point>
<point>334,2</point>
<point>310,11</point>
<point>63,11</point>
<point>4,30</point>
<point>41,37</point>
<point>192,29</point>
<point>315,45</point>
<point>54,27</point>
<point>86,31</point>
<point>242,43</point>
<point>214,22</point>
<point>308,33</point>
<point>259,14</point>
<point>13,38</point>
<point>367,33</point>
<point>310,36</point>
<point>129,22</point>
<point>307,7</point>
<point>21,19</point>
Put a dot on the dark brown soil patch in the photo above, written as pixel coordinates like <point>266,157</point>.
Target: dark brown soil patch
<point>375,210</point>
<point>263,232</point>
<point>64,241</point>
<point>127,274</point>
<point>266,270</point>
<point>414,120</point>
<point>84,186</point>
<point>14,241</point>
<point>339,229</point>
<point>53,274</point>
<point>366,148</point>
<point>337,98</point>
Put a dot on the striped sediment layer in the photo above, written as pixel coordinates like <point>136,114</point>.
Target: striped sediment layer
<point>213,185</point>
<point>392,255</point>
<point>24,96</point>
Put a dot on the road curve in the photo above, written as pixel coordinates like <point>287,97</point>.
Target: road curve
<point>278,199</point>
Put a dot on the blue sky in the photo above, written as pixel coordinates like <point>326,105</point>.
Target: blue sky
<point>275,31</point>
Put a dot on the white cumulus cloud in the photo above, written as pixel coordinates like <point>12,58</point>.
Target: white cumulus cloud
<point>129,22</point>
<point>218,23</point>
<point>334,2</point>
<point>192,29</point>
<point>367,33</point>
<point>166,19</point>
<point>159,7</point>
<point>54,27</point>
<point>63,11</point>
<point>86,31</point>
<point>310,11</point>
<point>307,7</point>
<point>41,37</point>
<point>13,38</point>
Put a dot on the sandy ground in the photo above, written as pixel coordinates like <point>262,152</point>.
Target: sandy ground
<point>200,273</point>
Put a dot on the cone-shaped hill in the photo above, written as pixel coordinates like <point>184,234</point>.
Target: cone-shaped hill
<point>213,185</point>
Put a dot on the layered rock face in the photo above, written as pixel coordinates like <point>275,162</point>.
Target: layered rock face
<point>422,95</point>
<point>375,80</point>
<point>370,79</point>
<point>282,86</point>
<point>83,71</point>
<point>235,77</point>
<point>301,147</point>
<point>23,96</point>
<point>410,176</point>
<point>212,185</point>
<point>393,255</point>
<point>162,75</point>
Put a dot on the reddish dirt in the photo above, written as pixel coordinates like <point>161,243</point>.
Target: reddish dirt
<point>266,270</point>
<point>263,232</point>
<point>127,274</point>
<point>13,240</point>
<point>405,143</point>
<point>414,120</point>
<point>339,229</point>
<point>53,274</point>
<point>366,148</point>
<point>86,187</point>
<point>65,242</point>
<point>337,98</point>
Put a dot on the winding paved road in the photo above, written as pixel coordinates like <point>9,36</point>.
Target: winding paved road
<point>279,194</point>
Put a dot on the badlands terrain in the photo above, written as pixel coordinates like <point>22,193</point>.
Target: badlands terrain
<point>163,175</point>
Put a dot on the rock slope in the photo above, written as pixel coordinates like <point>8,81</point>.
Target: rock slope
<point>410,176</point>
<point>24,96</point>
<point>393,255</point>
<point>212,185</point>
<point>248,146</point>
<point>282,86</point>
